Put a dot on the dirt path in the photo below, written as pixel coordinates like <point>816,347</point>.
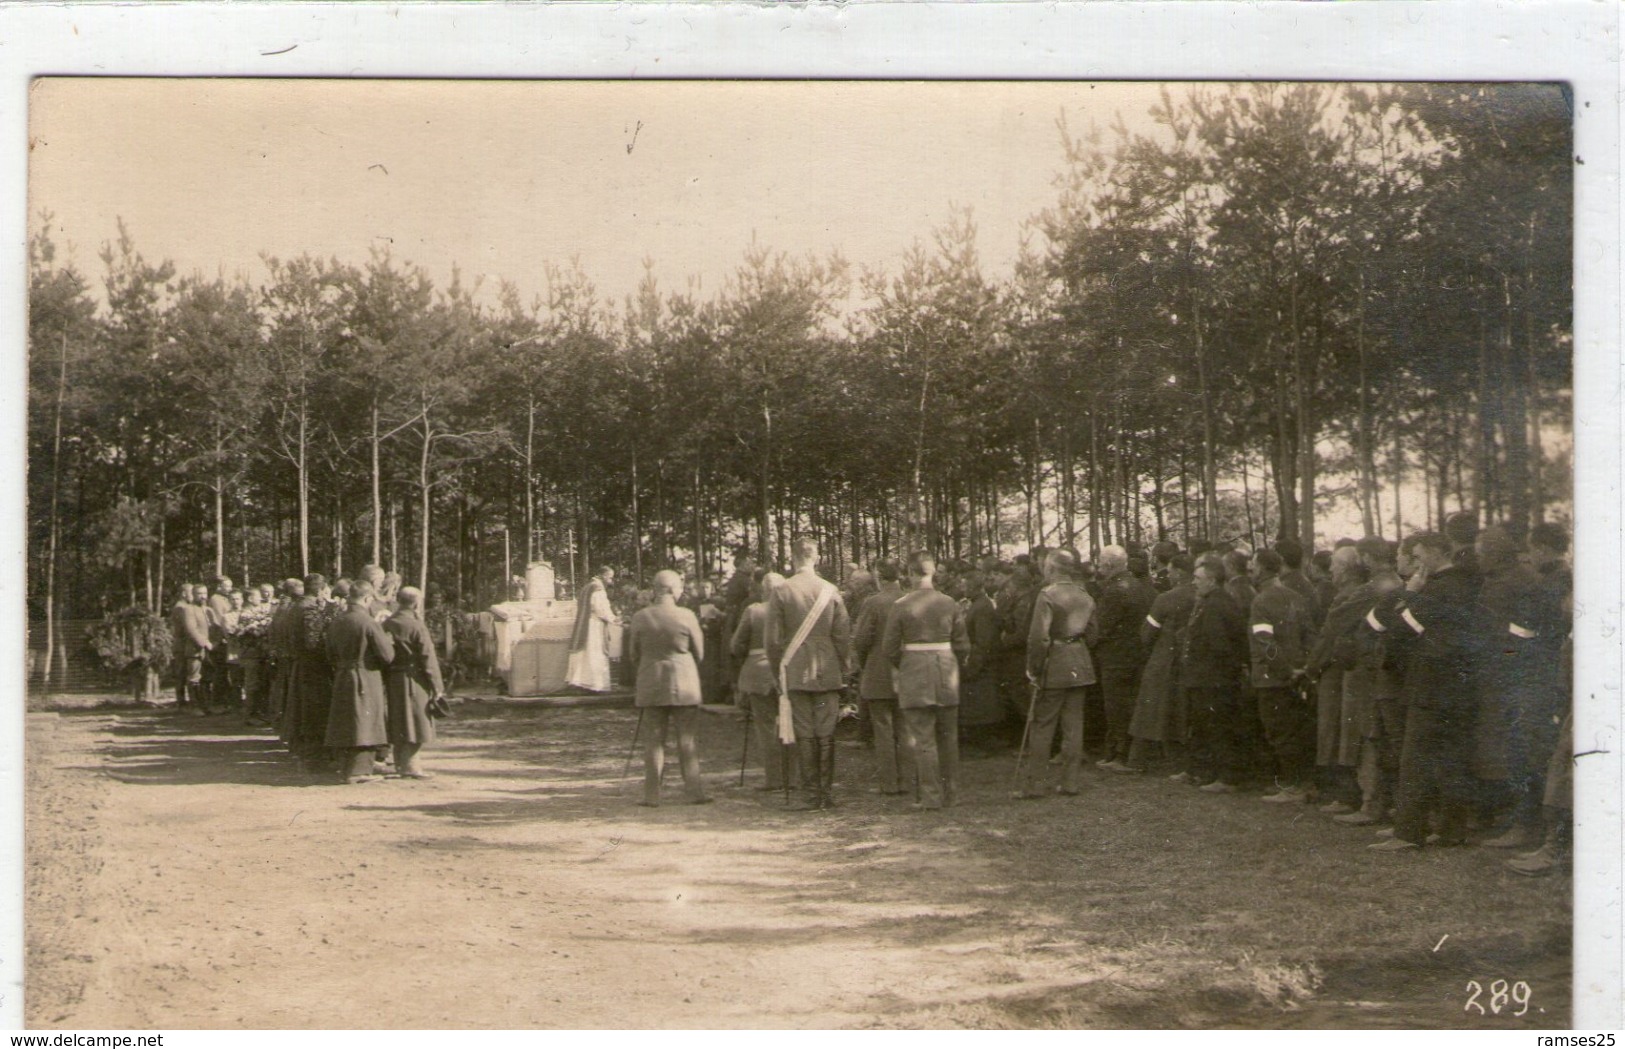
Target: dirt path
<point>183,874</point>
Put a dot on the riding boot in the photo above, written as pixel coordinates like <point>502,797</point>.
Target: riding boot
<point>826,772</point>
<point>807,755</point>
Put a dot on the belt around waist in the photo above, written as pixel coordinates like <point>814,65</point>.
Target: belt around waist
<point>927,646</point>
<point>757,652</point>
<point>1066,640</point>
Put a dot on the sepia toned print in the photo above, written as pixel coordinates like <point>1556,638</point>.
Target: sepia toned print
<point>1097,555</point>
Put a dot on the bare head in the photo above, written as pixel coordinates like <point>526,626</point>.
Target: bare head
<point>1113,559</point>
<point>361,591</point>
<point>373,574</point>
<point>803,553</point>
<point>1345,564</point>
<point>409,598</point>
<point>921,566</point>
<point>667,582</point>
<point>1059,564</point>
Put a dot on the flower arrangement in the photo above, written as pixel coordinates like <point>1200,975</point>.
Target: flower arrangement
<point>137,644</point>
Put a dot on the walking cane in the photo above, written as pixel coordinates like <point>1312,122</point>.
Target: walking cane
<point>1032,707</point>
<point>744,750</point>
<point>636,731</point>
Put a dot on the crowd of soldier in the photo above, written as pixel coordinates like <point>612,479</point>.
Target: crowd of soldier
<point>1420,688</point>
<point>347,672</point>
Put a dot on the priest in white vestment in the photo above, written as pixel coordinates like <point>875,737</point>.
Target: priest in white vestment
<point>589,642</point>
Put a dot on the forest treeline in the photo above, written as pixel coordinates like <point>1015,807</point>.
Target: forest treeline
<point>1288,296</point>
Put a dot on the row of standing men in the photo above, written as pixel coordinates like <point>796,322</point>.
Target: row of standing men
<point>347,671</point>
<point>1420,687</point>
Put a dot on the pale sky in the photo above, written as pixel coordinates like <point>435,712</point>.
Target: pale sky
<point>501,177</point>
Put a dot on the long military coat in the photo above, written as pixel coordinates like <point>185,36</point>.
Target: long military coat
<point>358,650</point>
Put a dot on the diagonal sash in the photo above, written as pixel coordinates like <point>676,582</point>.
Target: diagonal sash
<point>787,732</point>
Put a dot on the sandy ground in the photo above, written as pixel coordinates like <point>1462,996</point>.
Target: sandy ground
<point>183,874</point>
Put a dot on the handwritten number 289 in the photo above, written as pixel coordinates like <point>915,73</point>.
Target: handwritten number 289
<point>1501,995</point>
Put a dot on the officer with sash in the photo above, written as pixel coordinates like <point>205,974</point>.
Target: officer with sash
<point>808,637</point>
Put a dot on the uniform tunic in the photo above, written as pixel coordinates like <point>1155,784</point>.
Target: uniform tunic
<point>749,648</point>
<point>358,650</point>
<point>412,679</point>
<point>926,678</point>
<point>665,643</point>
<point>819,665</point>
<point>876,680</point>
<point>1063,626</point>
<point>925,640</point>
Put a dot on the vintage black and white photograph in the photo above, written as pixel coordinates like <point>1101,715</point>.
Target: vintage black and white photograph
<point>800,554</point>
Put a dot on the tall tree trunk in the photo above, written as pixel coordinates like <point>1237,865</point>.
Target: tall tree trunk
<point>637,521</point>
<point>917,494</point>
<point>763,507</point>
<point>1368,466</point>
<point>530,481</point>
<point>1210,469</point>
<point>1283,470</point>
<point>1397,468</point>
<point>1537,452</point>
<point>1516,481</point>
<point>338,529</point>
<point>423,505</point>
<point>56,516</point>
<point>219,508</point>
<point>304,486</point>
<point>1484,432</point>
<point>377,491</point>
<point>1306,429</point>
<point>1094,476</point>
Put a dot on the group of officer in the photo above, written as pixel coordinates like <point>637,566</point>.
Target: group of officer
<point>347,670</point>
<point>1420,688</point>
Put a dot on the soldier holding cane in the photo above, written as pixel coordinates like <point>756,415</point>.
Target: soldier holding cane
<point>1060,668</point>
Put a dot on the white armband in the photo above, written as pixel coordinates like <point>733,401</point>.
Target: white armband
<point>1520,631</point>
<point>1410,621</point>
<point>1264,628</point>
<point>1153,622</point>
<point>1371,621</point>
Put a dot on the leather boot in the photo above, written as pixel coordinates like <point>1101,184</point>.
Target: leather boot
<point>807,755</point>
<point>826,772</point>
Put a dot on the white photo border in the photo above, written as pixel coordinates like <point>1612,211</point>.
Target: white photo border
<point>1575,42</point>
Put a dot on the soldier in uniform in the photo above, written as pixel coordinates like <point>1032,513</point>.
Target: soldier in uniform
<point>1125,600</point>
<point>1292,577</point>
<point>358,650</point>
<point>1015,617</point>
<point>1212,664</point>
<point>411,681</point>
<point>812,667</point>
<point>666,644</point>
<point>1381,659</point>
<point>189,625</point>
<point>1521,631</point>
<point>755,688</point>
<point>979,689</point>
<point>893,767</point>
<point>1342,688</point>
<point>925,641</point>
<point>1060,668</point>
<point>283,645</point>
<point>1163,553</point>
<point>1281,637</point>
<point>1437,608</point>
